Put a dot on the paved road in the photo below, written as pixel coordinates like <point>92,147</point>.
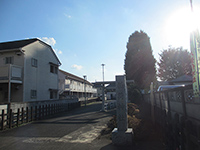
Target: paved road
<point>73,130</point>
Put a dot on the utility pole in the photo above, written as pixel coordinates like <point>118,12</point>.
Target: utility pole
<point>191,5</point>
<point>85,87</point>
<point>103,90</point>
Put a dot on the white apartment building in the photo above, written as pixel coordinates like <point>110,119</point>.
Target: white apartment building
<point>71,85</point>
<point>28,71</point>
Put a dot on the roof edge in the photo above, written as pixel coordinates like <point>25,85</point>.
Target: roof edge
<point>82,79</point>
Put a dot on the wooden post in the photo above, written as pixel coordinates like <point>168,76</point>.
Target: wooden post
<point>31,113</point>
<point>49,110</point>
<point>54,108</point>
<point>42,111</point>
<point>46,108</point>
<point>18,116</point>
<point>22,115</point>
<point>39,112</point>
<point>27,115</point>
<point>10,119</point>
<point>35,112</point>
<point>2,119</point>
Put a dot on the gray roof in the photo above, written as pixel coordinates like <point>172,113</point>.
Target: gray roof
<point>16,44</point>
<point>21,43</point>
<point>74,77</point>
<point>111,85</point>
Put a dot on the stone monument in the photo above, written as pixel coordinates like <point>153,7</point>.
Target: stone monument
<point>122,135</point>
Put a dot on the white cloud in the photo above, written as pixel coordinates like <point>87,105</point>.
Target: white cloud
<point>57,51</point>
<point>51,41</point>
<point>68,16</point>
<point>77,67</point>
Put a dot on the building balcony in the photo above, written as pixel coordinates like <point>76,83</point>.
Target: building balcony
<point>77,88</point>
<point>11,73</point>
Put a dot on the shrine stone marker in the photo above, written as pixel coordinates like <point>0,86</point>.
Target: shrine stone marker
<point>122,135</point>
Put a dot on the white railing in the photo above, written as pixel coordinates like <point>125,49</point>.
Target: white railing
<point>79,88</point>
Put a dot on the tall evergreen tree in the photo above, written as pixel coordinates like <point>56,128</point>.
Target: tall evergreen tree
<point>139,61</point>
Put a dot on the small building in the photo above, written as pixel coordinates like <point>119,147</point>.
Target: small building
<point>99,88</point>
<point>73,86</point>
<point>109,87</point>
<point>28,71</point>
<point>111,91</point>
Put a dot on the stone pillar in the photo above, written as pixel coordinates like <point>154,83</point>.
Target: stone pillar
<point>121,93</point>
<point>122,135</point>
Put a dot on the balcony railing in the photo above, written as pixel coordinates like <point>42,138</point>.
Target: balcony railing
<point>11,73</point>
<point>78,88</point>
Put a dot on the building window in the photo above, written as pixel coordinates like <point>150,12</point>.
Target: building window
<point>9,60</point>
<point>34,62</point>
<point>53,69</point>
<point>33,94</point>
<point>53,94</point>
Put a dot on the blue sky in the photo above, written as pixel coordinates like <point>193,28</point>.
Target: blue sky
<point>87,33</point>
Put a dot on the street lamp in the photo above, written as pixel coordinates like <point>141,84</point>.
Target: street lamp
<point>85,87</point>
<point>103,94</point>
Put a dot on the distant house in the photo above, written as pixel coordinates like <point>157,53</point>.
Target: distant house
<point>111,90</point>
<point>28,71</point>
<point>73,86</point>
<point>99,88</point>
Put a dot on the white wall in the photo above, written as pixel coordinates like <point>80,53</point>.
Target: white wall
<point>40,78</point>
<point>74,85</point>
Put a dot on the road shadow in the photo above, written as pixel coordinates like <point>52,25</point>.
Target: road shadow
<point>61,124</point>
